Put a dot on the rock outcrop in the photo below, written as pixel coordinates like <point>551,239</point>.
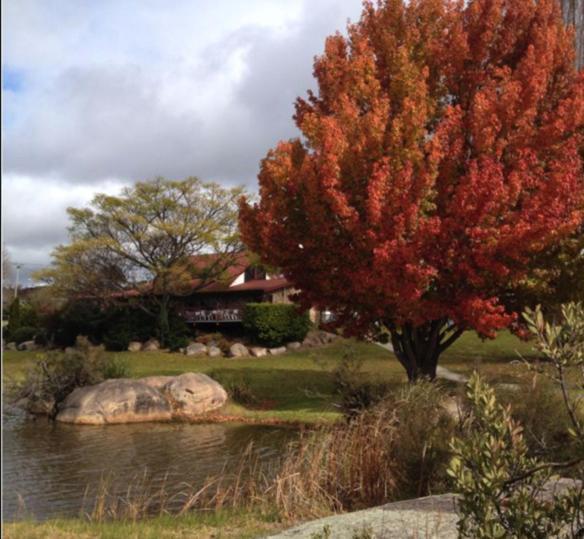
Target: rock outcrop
<point>134,346</point>
<point>258,351</point>
<point>318,337</point>
<point>152,345</point>
<point>155,398</point>
<point>196,349</point>
<point>238,350</point>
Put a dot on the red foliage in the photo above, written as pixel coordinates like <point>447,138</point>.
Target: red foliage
<point>439,155</point>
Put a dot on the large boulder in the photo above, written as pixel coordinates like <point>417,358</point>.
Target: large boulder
<point>154,398</point>
<point>151,345</point>
<point>134,346</point>
<point>258,351</point>
<point>196,349</point>
<point>115,401</point>
<point>27,346</point>
<point>238,350</point>
<point>192,394</point>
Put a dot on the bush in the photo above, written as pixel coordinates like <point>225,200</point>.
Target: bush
<point>274,324</point>
<point>179,334</point>
<point>356,394</point>
<point>538,406</point>
<point>500,485</point>
<point>58,374</point>
<point>114,368</point>
<point>22,334</point>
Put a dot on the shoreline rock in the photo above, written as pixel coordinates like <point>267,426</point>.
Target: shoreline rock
<point>155,398</point>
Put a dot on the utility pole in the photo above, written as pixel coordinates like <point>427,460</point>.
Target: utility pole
<point>18,266</point>
<point>573,12</point>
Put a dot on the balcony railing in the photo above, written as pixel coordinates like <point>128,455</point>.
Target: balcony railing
<point>212,315</point>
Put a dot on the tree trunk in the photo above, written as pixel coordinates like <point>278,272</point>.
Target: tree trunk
<point>163,325</point>
<point>419,348</point>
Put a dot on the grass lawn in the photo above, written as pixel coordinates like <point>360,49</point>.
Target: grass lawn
<point>297,386</point>
<point>221,525</point>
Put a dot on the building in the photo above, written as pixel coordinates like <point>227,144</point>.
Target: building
<point>223,301</point>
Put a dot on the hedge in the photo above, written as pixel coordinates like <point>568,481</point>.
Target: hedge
<point>274,324</point>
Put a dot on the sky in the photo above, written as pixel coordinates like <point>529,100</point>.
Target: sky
<point>100,94</point>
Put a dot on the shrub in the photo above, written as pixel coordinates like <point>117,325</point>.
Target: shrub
<point>537,405</point>
<point>356,394</point>
<point>114,367</point>
<point>22,334</point>
<point>179,334</point>
<point>58,374</point>
<point>499,484</point>
<point>274,324</point>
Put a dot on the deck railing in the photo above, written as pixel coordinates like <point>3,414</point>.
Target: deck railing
<point>213,315</point>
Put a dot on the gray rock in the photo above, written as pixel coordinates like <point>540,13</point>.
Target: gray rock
<point>154,398</point>
<point>433,516</point>
<point>277,351</point>
<point>10,346</point>
<point>115,401</point>
<point>134,346</point>
<point>214,351</point>
<point>69,350</point>
<point>196,349</point>
<point>193,394</point>
<point>151,345</point>
<point>258,351</point>
<point>295,345</point>
<point>238,350</point>
<point>27,346</point>
<point>318,337</point>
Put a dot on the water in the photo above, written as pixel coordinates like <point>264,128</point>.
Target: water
<point>47,466</point>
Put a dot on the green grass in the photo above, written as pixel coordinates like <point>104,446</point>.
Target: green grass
<point>297,386</point>
<point>219,525</point>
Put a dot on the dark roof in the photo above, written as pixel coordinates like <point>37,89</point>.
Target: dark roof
<point>241,263</point>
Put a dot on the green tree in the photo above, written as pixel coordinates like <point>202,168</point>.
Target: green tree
<point>138,246</point>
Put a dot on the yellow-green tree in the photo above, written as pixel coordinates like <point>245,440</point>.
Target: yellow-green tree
<point>139,244</point>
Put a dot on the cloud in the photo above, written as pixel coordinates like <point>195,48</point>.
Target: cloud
<point>125,91</point>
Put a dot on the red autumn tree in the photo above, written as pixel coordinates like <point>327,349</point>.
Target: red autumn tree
<point>438,157</point>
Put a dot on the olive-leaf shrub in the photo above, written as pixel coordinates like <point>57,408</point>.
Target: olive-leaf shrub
<point>501,487</point>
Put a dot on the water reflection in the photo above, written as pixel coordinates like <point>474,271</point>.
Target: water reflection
<point>49,465</point>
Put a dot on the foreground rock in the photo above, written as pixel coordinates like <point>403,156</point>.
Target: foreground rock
<point>432,516</point>
<point>156,398</point>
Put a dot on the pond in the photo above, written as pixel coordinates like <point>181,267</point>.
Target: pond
<point>47,467</point>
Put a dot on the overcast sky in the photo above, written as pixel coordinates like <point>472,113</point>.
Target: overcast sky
<point>99,94</point>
